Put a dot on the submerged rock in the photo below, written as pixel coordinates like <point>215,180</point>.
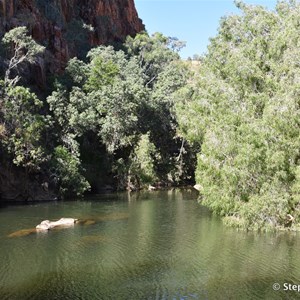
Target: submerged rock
<point>89,222</point>
<point>46,225</point>
<point>22,232</point>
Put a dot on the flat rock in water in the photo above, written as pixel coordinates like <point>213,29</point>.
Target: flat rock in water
<point>65,222</point>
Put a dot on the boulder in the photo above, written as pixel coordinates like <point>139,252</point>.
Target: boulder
<point>198,187</point>
<point>151,188</point>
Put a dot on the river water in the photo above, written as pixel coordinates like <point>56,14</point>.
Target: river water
<point>149,245</point>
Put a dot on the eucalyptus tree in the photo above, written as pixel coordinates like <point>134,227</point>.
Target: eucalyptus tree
<point>163,74</point>
<point>243,107</point>
<point>21,124</point>
<point>101,101</point>
<point>24,50</point>
<point>124,101</point>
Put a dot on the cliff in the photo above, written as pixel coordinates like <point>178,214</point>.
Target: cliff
<point>17,186</point>
<point>70,28</point>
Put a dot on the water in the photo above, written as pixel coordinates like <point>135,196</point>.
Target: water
<point>151,245</point>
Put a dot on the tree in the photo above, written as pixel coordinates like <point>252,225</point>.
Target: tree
<point>153,53</point>
<point>116,98</point>
<point>242,106</point>
<point>25,49</point>
<point>163,75</point>
<point>100,102</point>
<point>22,126</point>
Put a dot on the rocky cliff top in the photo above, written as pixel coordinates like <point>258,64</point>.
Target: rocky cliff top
<point>70,28</point>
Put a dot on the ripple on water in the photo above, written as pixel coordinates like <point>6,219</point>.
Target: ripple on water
<point>144,249</point>
<point>88,240</point>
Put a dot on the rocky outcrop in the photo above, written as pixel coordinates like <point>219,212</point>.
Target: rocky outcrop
<point>70,28</point>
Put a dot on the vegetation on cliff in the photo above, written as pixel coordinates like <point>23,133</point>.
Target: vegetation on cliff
<point>69,28</point>
<point>112,111</point>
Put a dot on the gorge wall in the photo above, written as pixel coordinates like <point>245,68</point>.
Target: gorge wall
<point>70,28</point>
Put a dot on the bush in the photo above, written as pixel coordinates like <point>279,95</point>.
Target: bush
<point>66,168</point>
<point>141,170</point>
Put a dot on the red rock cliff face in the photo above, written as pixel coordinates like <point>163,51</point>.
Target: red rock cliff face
<point>70,28</point>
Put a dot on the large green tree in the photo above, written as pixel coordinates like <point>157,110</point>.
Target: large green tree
<point>116,99</point>
<point>243,107</point>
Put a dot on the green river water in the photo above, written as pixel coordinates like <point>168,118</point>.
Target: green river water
<point>149,245</point>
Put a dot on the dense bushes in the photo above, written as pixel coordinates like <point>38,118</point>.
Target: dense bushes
<point>116,107</point>
<point>243,107</point>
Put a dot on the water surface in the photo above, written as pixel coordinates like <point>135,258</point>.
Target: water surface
<point>150,245</point>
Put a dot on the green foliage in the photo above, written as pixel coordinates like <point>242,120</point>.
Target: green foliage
<point>242,106</point>
<point>153,54</point>
<point>25,49</point>
<point>163,75</point>
<point>117,105</point>
<point>141,170</point>
<point>25,132</point>
<point>22,127</point>
<point>119,96</point>
<point>101,73</point>
<point>107,101</point>
<point>77,71</point>
<point>66,168</point>
<point>23,44</point>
